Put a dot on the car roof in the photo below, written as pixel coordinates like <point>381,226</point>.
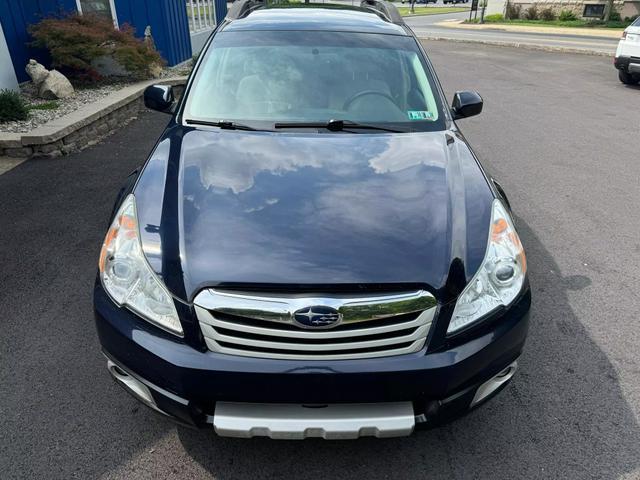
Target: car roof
<point>336,19</point>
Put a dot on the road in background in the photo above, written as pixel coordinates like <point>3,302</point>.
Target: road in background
<point>558,131</point>
<point>426,26</point>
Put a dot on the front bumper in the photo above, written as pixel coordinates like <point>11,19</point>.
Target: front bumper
<point>186,382</point>
<point>628,64</point>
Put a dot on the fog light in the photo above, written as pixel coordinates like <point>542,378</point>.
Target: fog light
<point>490,386</point>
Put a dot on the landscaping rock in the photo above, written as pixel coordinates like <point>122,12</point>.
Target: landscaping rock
<point>156,70</point>
<point>107,66</point>
<point>52,85</point>
<point>56,86</point>
<point>148,38</point>
<point>37,72</point>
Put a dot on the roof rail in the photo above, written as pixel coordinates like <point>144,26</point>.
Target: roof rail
<point>387,9</point>
<point>242,8</point>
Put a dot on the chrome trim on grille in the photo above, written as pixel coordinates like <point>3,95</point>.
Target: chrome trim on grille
<point>262,325</point>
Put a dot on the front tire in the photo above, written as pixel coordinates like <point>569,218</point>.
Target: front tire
<point>627,78</point>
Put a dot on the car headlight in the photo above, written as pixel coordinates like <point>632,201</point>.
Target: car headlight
<point>500,277</point>
<point>127,276</point>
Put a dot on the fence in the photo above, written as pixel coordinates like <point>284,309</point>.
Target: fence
<point>202,14</point>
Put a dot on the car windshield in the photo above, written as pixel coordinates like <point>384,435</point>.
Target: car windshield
<point>260,78</point>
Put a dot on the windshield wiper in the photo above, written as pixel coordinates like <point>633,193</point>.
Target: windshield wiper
<point>336,126</point>
<point>224,125</point>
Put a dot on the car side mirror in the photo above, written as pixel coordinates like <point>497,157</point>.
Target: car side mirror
<point>159,97</point>
<point>466,104</point>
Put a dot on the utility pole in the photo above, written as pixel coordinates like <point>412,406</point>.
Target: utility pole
<point>607,10</point>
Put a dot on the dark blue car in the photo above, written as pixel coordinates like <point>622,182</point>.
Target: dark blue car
<point>312,248</point>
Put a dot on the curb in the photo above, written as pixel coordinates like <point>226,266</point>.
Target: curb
<point>525,46</point>
<point>84,127</point>
<point>593,33</point>
<point>7,163</point>
<point>433,14</point>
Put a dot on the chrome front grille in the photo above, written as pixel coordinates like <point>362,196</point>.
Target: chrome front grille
<point>263,325</point>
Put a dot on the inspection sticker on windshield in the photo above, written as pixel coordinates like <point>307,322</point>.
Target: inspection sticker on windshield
<point>419,115</point>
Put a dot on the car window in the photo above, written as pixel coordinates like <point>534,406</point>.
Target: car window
<point>289,76</point>
<point>636,23</point>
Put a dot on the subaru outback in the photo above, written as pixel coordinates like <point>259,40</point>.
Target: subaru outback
<point>312,249</point>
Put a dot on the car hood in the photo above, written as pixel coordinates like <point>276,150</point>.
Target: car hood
<point>290,210</point>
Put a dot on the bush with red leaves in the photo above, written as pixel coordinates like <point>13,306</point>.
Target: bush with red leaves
<point>75,41</point>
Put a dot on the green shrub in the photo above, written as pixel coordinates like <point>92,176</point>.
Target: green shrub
<point>512,11</point>
<point>12,106</point>
<point>547,14</point>
<point>496,17</point>
<point>531,13</point>
<point>75,41</point>
<point>566,16</point>
<point>614,16</point>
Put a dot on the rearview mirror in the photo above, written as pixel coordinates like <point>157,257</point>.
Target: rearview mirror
<point>466,104</point>
<point>159,97</point>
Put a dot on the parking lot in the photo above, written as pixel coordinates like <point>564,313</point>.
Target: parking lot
<point>561,135</point>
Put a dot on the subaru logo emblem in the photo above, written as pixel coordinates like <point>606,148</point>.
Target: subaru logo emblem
<point>317,317</point>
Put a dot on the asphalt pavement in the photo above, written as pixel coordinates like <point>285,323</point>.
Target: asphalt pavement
<point>559,131</point>
<point>429,26</point>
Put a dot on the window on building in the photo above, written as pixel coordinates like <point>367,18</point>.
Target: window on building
<point>97,7</point>
<point>593,11</point>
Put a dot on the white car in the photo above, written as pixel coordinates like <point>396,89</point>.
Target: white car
<point>627,59</point>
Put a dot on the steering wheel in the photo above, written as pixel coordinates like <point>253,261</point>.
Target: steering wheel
<point>364,93</point>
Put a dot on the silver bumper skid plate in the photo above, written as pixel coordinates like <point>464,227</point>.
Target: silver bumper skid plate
<point>297,422</point>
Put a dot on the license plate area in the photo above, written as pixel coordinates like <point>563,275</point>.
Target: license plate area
<point>297,422</point>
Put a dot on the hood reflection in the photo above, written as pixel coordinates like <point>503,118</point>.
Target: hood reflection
<point>240,157</point>
<point>300,208</point>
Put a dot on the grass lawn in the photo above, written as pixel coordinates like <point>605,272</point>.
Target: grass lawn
<point>43,106</point>
<point>406,11</point>
<point>557,23</point>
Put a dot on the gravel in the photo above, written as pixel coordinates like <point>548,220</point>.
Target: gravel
<point>66,106</point>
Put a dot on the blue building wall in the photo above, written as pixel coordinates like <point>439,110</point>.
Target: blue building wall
<point>221,10</point>
<point>16,16</point>
<point>168,21</point>
<point>167,18</point>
